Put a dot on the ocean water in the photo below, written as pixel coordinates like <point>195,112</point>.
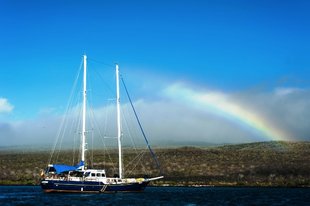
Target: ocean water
<point>190,196</point>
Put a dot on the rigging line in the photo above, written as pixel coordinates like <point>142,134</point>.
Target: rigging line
<point>132,141</point>
<point>65,123</point>
<point>92,121</point>
<point>96,125</point>
<point>63,133</point>
<point>147,142</point>
<point>92,151</point>
<point>73,149</point>
<point>78,126</point>
<point>100,62</point>
<point>91,117</point>
<point>102,137</point>
<point>128,129</point>
<point>67,127</point>
<point>137,153</point>
<point>106,124</point>
<point>139,157</point>
<point>75,124</point>
<point>66,111</point>
<point>98,74</point>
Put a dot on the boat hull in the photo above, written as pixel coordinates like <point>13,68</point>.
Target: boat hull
<point>90,186</point>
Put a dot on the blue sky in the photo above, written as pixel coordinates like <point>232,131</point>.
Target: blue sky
<point>236,47</point>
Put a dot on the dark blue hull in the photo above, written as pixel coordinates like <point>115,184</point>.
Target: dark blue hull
<point>90,186</point>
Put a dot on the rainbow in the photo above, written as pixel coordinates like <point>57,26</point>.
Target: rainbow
<point>220,104</point>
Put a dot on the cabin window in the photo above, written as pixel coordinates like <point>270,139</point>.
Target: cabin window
<point>98,175</point>
<point>79,174</point>
<point>93,174</point>
<point>50,169</point>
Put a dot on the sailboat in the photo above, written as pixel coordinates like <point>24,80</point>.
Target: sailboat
<point>79,178</point>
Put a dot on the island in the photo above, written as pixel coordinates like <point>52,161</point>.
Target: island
<point>268,164</point>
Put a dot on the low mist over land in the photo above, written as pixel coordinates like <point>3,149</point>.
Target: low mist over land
<point>243,117</point>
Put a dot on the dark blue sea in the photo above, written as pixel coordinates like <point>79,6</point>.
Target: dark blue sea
<point>32,195</point>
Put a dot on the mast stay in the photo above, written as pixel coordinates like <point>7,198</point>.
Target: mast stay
<point>141,128</point>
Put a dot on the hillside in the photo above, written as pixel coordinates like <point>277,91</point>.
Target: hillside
<point>253,164</point>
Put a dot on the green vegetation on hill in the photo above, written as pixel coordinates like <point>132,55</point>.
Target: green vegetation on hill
<point>253,164</point>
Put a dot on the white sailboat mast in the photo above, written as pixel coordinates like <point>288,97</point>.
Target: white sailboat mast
<point>84,113</point>
<point>118,124</point>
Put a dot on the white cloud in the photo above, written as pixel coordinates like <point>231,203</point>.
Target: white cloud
<point>283,91</point>
<point>5,106</point>
<point>173,121</point>
<point>282,111</point>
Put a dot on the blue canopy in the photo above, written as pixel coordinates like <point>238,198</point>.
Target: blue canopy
<point>65,168</point>
<point>81,163</point>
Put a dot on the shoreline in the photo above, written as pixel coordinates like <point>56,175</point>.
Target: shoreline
<point>194,186</point>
